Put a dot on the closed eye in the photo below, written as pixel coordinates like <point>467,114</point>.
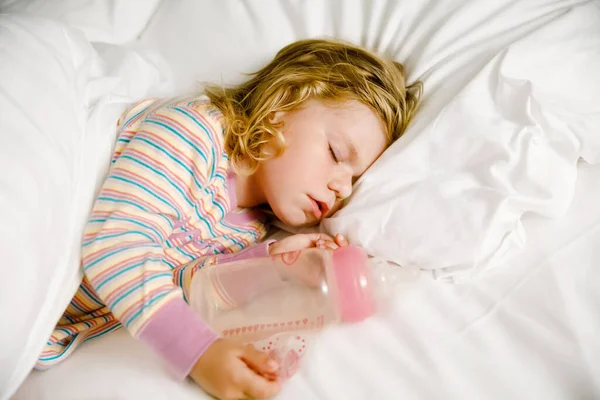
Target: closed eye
<point>333,156</point>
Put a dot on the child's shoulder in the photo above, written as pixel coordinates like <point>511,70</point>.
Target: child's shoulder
<point>203,111</point>
<point>201,105</point>
<point>186,122</point>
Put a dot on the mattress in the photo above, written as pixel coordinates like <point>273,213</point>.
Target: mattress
<point>526,330</point>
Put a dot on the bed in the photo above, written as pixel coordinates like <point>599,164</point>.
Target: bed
<point>490,203</point>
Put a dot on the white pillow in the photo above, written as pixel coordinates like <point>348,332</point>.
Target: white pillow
<point>423,216</point>
<point>450,195</point>
<point>104,21</point>
<point>444,43</point>
<point>60,102</point>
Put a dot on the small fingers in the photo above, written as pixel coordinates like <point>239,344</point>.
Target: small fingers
<point>326,244</point>
<point>340,240</point>
<point>255,386</point>
<point>260,362</point>
<point>322,241</point>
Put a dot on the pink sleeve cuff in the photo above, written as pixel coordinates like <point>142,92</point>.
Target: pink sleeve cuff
<point>179,335</point>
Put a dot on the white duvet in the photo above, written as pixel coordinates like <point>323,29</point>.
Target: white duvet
<point>512,102</point>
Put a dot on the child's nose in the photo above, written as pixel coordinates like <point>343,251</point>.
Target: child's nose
<point>341,184</point>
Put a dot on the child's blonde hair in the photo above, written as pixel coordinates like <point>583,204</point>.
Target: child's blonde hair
<point>312,68</point>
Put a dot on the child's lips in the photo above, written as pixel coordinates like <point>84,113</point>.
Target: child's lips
<point>315,206</point>
<point>324,207</point>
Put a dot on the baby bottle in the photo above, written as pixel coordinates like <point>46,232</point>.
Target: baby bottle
<point>254,299</point>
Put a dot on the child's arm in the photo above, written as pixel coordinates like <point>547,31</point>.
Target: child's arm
<point>154,183</point>
<point>261,277</point>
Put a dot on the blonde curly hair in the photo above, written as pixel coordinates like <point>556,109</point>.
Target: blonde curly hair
<point>321,69</point>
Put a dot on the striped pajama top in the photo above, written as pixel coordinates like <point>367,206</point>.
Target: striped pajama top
<point>166,208</point>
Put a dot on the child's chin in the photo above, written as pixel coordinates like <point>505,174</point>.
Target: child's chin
<point>309,224</point>
<point>298,223</point>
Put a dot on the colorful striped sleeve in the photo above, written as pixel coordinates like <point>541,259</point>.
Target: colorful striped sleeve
<point>152,185</point>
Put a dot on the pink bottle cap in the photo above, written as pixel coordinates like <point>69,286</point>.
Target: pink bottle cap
<point>351,269</point>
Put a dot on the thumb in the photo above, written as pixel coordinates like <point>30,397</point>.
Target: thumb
<point>260,362</point>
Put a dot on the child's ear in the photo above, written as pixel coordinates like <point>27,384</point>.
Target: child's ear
<point>276,116</point>
<point>270,148</point>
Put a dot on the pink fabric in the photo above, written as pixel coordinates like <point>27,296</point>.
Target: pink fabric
<point>179,336</point>
<point>256,251</point>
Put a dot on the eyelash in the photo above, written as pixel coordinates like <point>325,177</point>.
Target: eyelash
<point>333,154</point>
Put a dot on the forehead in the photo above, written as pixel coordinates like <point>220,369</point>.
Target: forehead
<point>345,113</point>
<point>353,112</point>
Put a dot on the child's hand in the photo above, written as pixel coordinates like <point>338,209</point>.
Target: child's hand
<point>307,240</point>
<point>311,272</point>
<point>230,370</point>
<point>340,240</point>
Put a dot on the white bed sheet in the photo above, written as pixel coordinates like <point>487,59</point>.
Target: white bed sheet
<point>527,330</point>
